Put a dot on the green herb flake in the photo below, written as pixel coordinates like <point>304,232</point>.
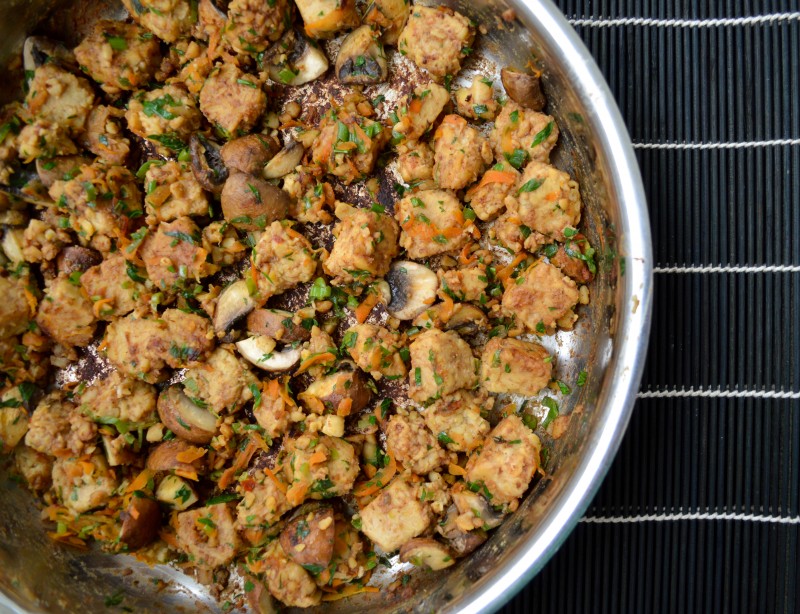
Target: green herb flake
<point>542,135</point>
<point>582,377</point>
<point>530,185</point>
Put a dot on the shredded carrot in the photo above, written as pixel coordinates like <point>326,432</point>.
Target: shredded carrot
<point>363,310</point>
<point>348,591</point>
<point>493,176</point>
<point>241,461</point>
<point>88,468</point>
<point>97,308</point>
<point>345,405</point>
<point>504,273</point>
<point>32,302</point>
<point>315,359</point>
<point>454,469</point>
<point>259,441</point>
<point>292,123</point>
<point>552,196</point>
<point>317,458</point>
<point>168,537</point>
<point>297,493</point>
<point>191,454</point>
<point>101,347</point>
<point>379,481</point>
<point>370,470</point>
<point>278,482</point>
<point>189,475</point>
<point>415,106</point>
<point>448,306</point>
<point>134,513</point>
<point>466,257</point>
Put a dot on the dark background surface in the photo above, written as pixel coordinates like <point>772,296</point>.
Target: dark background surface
<point>700,511</point>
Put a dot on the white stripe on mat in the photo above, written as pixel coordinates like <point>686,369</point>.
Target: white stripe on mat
<point>711,268</point>
<point>723,394</point>
<point>689,516</point>
<point>721,145</point>
<point>687,23</point>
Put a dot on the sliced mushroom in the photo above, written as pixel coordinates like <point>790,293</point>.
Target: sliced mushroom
<point>12,244</point>
<point>58,168</point>
<point>277,324</point>
<point>233,303</point>
<point>40,50</point>
<point>348,383</point>
<point>524,89</point>
<point>285,161</point>
<point>297,60</point>
<point>413,289</point>
<point>27,186</point>
<point>77,258</point>
<point>388,15</point>
<point>469,502</point>
<point>427,553</point>
<point>460,542</point>
<point>185,417</point>
<point>308,537</point>
<point>176,492</point>
<point>259,351</point>
<point>164,457</point>
<point>140,522</point>
<point>249,154</point>
<point>466,319</point>
<point>361,59</point>
<point>258,596</point>
<point>250,203</point>
<point>207,165</point>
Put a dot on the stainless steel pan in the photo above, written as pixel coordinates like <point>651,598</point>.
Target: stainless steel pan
<point>610,341</point>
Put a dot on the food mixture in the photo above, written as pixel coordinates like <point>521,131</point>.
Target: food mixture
<point>160,212</point>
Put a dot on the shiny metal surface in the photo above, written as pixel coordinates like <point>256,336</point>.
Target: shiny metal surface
<point>609,342</point>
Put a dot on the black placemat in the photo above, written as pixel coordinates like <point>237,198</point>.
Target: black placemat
<point>701,511</point>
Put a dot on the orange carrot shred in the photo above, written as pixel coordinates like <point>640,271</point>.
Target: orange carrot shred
<point>363,310</point>
<point>345,405</point>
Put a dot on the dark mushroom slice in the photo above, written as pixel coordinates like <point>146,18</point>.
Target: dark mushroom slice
<point>207,164</point>
<point>26,185</point>
<point>40,50</point>
<point>297,60</point>
<point>185,417</point>
<point>257,594</point>
<point>277,324</point>
<point>427,553</point>
<point>234,302</point>
<point>466,319</point>
<point>459,541</point>
<point>77,258</point>
<point>413,287</point>
<point>140,522</point>
<point>388,15</point>
<point>285,161</point>
<point>164,457</point>
<point>58,168</point>
<point>309,536</point>
<point>250,203</point>
<point>249,154</point>
<point>348,383</point>
<point>524,89</point>
<point>361,59</point>
<point>469,502</point>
